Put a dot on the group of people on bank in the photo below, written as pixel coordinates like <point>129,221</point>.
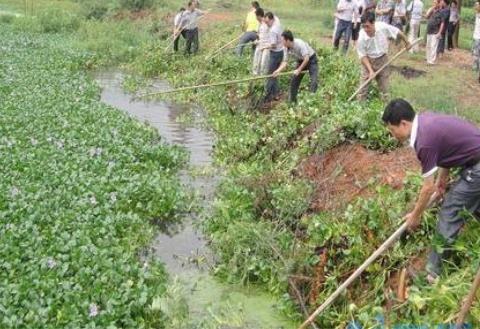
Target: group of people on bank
<point>371,25</point>
<point>441,142</point>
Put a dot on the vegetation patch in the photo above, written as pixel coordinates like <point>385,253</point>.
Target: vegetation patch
<point>80,184</point>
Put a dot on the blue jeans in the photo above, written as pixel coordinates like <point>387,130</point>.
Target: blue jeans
<point>312,68</point>
<point>192,41</point>
<point>343,27</point>
<point>271,88</point>
<point>246,38</point>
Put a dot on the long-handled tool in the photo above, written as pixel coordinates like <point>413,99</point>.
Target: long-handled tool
<point>175,35</point>
<point>213,54</point>
<point>387,244</point>
<point>381,69</point>
<point>468,301</point>
<point>224,83</point>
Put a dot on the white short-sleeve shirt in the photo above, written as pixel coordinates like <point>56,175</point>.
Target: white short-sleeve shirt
<point>376,46</point>
<point>299,51</point>
<point>476,32</point>
<point>416,9</point>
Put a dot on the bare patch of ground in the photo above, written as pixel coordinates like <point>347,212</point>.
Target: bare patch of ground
<point>348,171</point>
<point>408,72</point>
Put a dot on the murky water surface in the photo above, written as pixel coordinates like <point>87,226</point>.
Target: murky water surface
<point>182,248</point>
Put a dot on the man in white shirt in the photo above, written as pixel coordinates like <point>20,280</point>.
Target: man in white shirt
<point>372,49</point>
<point>399,14</point>
<point>272,88</point>
<point>178,29</point>
<point>476,40</point>
<point>190,21</point>
<point>415,8</point>
<point>346,9</point>
<point>306,60</point>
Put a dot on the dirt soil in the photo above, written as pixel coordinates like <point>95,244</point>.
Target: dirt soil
<point>408,72</point>
<point>349,171</point>
<point>217,17</point>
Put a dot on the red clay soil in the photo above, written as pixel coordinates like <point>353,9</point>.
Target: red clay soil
<point>217,17</point>
<point>345,172</point>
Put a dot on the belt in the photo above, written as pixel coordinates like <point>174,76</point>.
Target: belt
<point>473,161</point>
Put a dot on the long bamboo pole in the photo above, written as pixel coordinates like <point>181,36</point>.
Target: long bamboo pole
<point>387,244</point>
<point>175,35</point>
<point>221,48</point>
<point>468,301</point>
<point>231,47</point>
<point>217,84</point>
<point>381,69</point>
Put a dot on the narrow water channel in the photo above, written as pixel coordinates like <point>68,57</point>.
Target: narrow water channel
<point>176,248</point>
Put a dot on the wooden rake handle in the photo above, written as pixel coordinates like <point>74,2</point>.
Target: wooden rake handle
<point>467,304</point>
<point>387,244</point>
<point>390,61</point>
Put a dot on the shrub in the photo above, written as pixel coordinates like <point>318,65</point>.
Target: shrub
<point>136,5</point>
<point>92,9</point>
<point>54,20</point>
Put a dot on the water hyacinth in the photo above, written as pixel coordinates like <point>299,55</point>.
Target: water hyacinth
<point>93,201</point>
<point>50,210</point>
<point>93,310</point>
<point>14,191</point>
<point>51,263</point>
<point>95,151</point>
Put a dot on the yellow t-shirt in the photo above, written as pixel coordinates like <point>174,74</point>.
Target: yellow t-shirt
<point>251,23</point>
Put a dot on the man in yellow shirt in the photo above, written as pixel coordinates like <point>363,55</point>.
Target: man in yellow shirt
<point>250,28</point>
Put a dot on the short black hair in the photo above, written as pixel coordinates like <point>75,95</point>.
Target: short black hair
<point>270,15</point>
<point>255,4</point>
<point>398,110</point>
<point>368,17</point>
<point>259,12</point>
<point>190,3</point>
<point>182,9</point>
<point>287,35</point>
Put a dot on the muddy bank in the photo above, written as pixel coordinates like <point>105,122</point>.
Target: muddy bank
<point>349,171</point>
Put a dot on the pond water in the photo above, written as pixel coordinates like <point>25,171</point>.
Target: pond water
<point>182,248</point>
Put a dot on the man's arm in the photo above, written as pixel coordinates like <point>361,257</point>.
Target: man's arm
<point>299,69</point>
<point>442,180</point>
<point>429,12</point>
<point>365,61</point>
<point>428,188</point>
<point>404,38</point>
<point>280,68</point>
<point>439,34</point>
